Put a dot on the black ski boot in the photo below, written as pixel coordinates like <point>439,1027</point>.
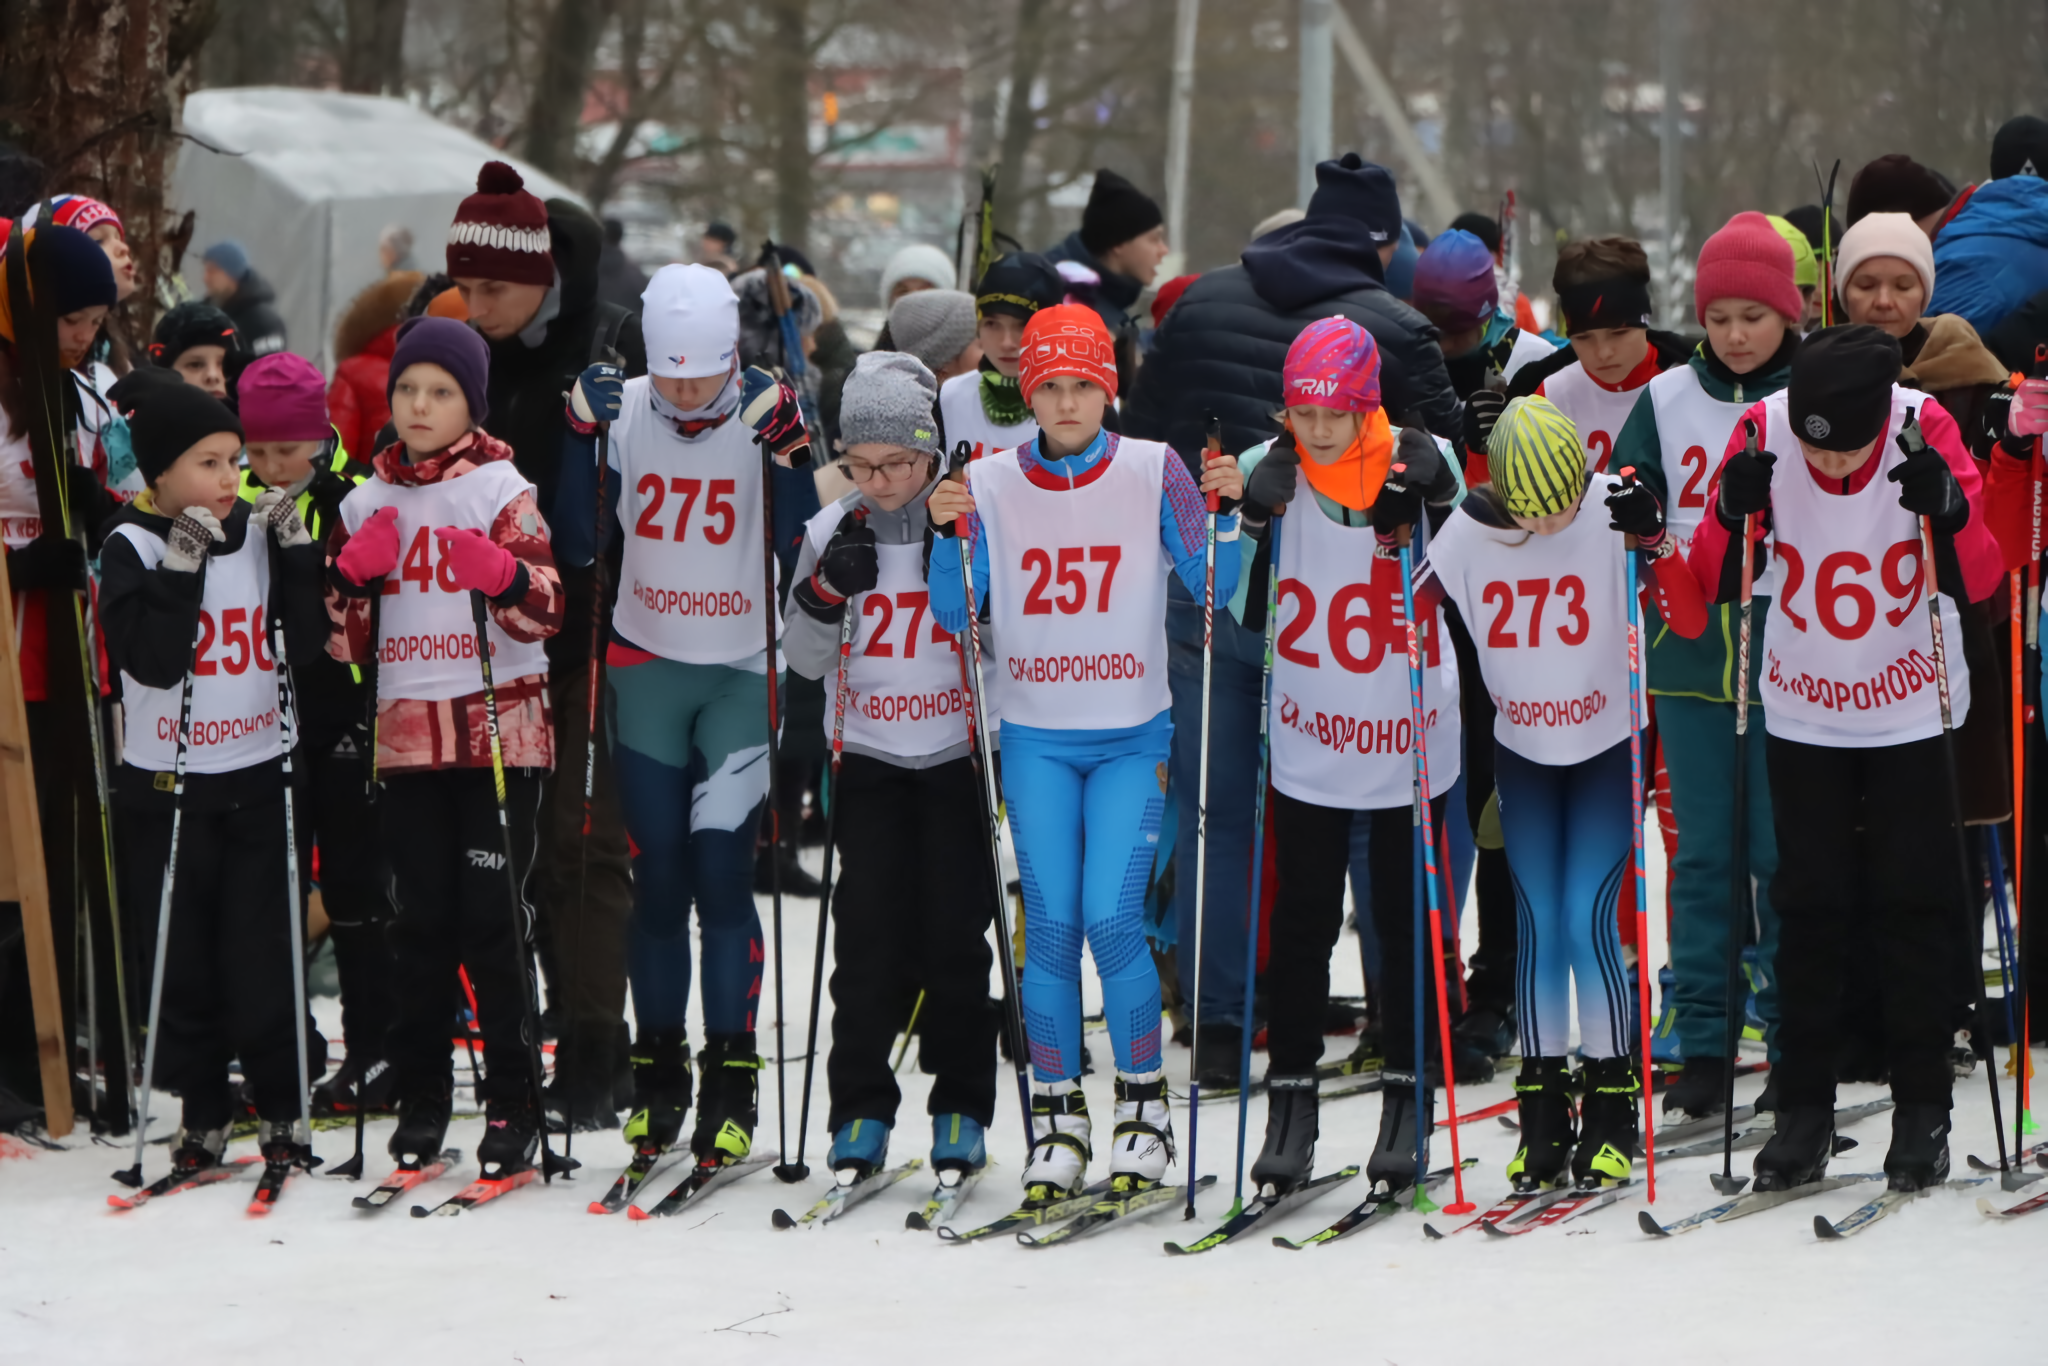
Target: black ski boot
<point>1289,1157</point>
<point>359,1080</point>
<point>1701,1090</point>
<point>1918,1157</point>
<point>1800,1147</point>
<point>726,1106</point>
<point>1610,1131</point>
<point>286,1142</point>
<point>197,1149</point>
<point>1544,1090</point>
<point>1393,1164</point>
<point>661,1091</point>
<point>422,1126</point>
<point>511,1135</point>
<point>1219,1049</point>
<point>579,1099</point>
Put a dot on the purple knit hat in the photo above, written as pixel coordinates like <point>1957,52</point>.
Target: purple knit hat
<point>1334,363</point>
<point>283,397</point>
<point>1454,278</point>
<point>453,346</point>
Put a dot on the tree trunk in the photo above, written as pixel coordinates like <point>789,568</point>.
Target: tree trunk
<point>92,89</point>
<point>373,46</point>
<point>787,71</point>
<point>557,109</point>
<point>1020,121</point>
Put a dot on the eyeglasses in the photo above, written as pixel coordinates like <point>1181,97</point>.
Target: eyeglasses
<point>861,473</point>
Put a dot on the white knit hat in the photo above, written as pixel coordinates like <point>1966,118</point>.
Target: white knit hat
<point>918,261</point>
<point>1885,234</point>
<point>691,320</point>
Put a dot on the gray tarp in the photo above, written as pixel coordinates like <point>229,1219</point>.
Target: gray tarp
<point>318,176</point>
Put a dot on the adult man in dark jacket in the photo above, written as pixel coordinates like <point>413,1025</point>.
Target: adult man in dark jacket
<point>244,296</point>
<point>1220,351</point>
<point>1121,241</point>
<point>530,274</point>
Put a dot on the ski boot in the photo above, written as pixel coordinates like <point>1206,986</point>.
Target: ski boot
<point>579,1099</point>
<point>286,1142</point>
<point>1393,1163</point>
<point>422,1126</point>
<point>1544,1091</point>
<point>1800,1147</point>
<point>958,1144</point>
<point>661,1092</point>
<point>860,1148</point>
<point>1701,1089</point>
<point>1141,1145</point>
<point>358,1081</point>
<point>1289,1156</point>
<point>197,1149</point>
<point>1609,1125</point>
<point>1219,1051</point>
<point>1962,1055</point>
<point>1918,1157</point>
<point>1059,1142</point>
<point>1664,1046</point>
<point>726,1101</point>
<point>511,1135</point>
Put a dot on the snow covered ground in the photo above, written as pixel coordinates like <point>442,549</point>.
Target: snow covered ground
<point>536,1279</point>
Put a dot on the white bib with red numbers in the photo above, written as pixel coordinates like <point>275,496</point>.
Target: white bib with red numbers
<point>1549,615</point>
<point>1597,411</point>
<point>903,692</point>
<point>426,630</point>
<point>1342,723</point>
<point>965,419</point>
<point>1077,590</point>
<point>1848,651</point>
<point>234,678</point>
<point>690,588</point>
<point>21,512</point>
<point>1692,431</point>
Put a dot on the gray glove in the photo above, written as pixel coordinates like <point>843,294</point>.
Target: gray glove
<point>192,536</point>
<point>1273,478</point>
<point>278,510</point>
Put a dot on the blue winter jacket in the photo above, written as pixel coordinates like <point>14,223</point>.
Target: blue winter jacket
<point>1994,255</point>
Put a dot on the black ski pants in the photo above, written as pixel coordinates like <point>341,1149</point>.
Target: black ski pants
<point>911,909</point>
<point>1867,875</point>
<point>355,888</point>
<point>455,909</point>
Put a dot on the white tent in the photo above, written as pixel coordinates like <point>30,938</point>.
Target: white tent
<point>307,179</point>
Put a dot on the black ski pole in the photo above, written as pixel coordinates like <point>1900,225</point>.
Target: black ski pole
<point>572,1028</point>
<point>288,720</point>
<point>1739,911</point>
<point>769,612</point>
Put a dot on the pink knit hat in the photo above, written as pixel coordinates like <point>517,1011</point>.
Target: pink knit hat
<point>1747,259</point>
<point>283,397</point>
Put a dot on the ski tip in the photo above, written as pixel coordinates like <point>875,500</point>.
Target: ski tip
<point>781,1219</point>
<point>1287,1243</point>
<point>597,1207</point>
<point>420,1211</point>
<point>1648,1224</point>
<point>120,1202</point>
<point>1492,1231</point>
<point>1429,1231</point>
<point>635,1214</point>
<point>1984,1207</point>
<point>915,1223</point>
<point>362,1202</point>
<point>1824,1230</point>
<point>1174,1249</point>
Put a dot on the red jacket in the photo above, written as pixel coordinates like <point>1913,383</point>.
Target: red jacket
<point>355,399</point>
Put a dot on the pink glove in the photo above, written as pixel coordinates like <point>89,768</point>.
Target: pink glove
<point>2029,413</point>
<point>476,561</point>
<point>373,551</point>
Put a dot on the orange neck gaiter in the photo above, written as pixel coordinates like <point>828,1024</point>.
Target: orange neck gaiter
<point>1354,479</point>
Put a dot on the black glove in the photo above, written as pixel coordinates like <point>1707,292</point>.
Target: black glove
<point>848,565</point>
<point>1399,503</point>
<point>328,490</point>
<point>1272,481</point>
<point>1633,510</point>
<point>47,562</point>
<point>1482,409</point>
<point>1927,487</point>
<point>1428,473</point>
<point>1745,487</point>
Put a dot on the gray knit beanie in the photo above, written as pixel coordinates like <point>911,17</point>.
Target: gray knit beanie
<point>888,401</point>
<point>935,325</point>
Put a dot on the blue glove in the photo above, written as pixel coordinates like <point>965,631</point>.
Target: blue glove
<point>599,394</point>
<point>769,405</point>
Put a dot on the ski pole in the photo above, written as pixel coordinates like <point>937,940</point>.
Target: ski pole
<point>573,1026</point>
<point>797,1171</point>
<point>1635,830</point>
<point>984,758</point>
<point>2023,800</point>
<point>132,1176</point>
<point>1251,934</point>
<point>288,717</point>
<point>770,611</point>
<point>1418,722</point>
<point>522,943</point>
<point>2001,917</point>
<point>909,1033</point>
<point>1738,871</point>
<point>1212,445</point>
<point>470,1030</point>
<point>1912,442</point>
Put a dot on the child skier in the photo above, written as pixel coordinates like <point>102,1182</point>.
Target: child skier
<point>1341,732</point>
<point>447,516</point>
<point>912,904</point>
<point>1081,647</point>
<point>986,409</point>
<point>687,688</point>
<point>199,344</point>
<point>1745,294</point>
<point>1861,787</point>
<point>194,581</point>
<point>1542,582</point>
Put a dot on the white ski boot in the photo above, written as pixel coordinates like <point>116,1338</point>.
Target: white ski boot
<point>1059,1148</point>
<point>1141,1146</point>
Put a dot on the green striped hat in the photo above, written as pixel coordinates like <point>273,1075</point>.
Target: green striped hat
<point>1537,460</point>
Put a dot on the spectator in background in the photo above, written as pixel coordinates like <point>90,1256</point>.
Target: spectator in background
<point>619,280</point>
<point>917,266</point>
<point>1993,254</point>
<point>1275,221</point>
<point>937,326</point>
<point>714,248</point>
<point>363,341</point>
<point>245,296</point>
<point>1120,243</point>
<point>394,249</point>
<point>1897,184</point>
<point>197,341</point>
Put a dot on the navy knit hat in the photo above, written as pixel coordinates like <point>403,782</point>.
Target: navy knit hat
<point>84,276</point>
<point>456,348</point>
<point>1352,187</point>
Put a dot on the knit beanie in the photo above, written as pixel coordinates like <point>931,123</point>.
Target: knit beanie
<point>1117,211</point>
<point>1895,184</point>
<point>1169,295</point>
<point>1807,218</point>
<point>935,325</point>
<point>166,419</point>
<point>456,348</point>
<point>283,397</point>
<point>2020,147</point>
<point>1067,339</point>
<point>1454,278</point>
<point>1747,259</point>
<point>1839,396</point>
<point>501,232</point>
<point>78,211</point>
<point>1536,458</point>
<point>1018,285</point>
<point>1334,363</point>
<point>1885,234</point>
<point>1482,226</point>
<point>888,402</point>
<point>1805,265</point>
<point>918,261</point>
<point>230,257</point>
<point>1352,187</point>
<point>691,320</point>
<point>84,276</point>
<point>192,323</point>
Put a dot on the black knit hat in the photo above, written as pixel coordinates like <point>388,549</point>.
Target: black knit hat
<point>1807,218</point>
<point>167,417</point>
<point>1840,395</point>
<point>1117,211</point>
<point>1896,184</point>
<point>1019,285</point>
<point>2020,147</point>
<point>1352,187</point>
<point>191,324</point>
